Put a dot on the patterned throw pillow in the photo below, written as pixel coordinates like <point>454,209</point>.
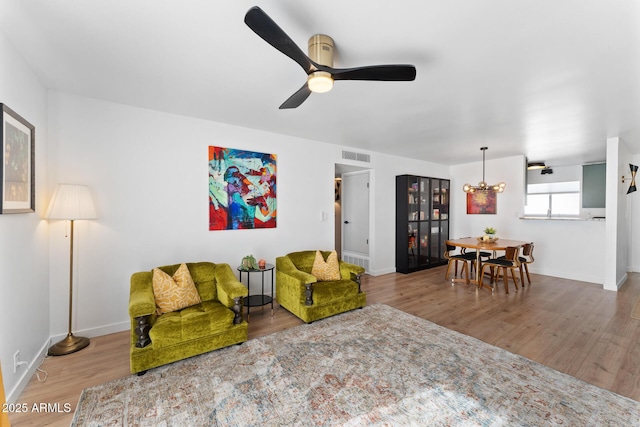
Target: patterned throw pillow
<point>326,271</point>
<point>174,293</point>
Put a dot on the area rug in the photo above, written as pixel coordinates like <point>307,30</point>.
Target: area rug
<point>635,312</point>
<point>376,366</point>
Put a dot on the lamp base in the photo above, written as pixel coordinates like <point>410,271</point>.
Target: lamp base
<point>69,345</point>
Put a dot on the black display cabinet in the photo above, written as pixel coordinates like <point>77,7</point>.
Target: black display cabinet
<point>422,222</point>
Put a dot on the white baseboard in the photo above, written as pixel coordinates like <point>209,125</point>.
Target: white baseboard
<point>381,272</point>
<point>96,332</point>
<point>14,394</point>
<point>574,276</point>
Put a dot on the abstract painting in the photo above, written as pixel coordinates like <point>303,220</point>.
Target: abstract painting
<point>17,164</point>
<point>242,189</point>
<point>482,202</point>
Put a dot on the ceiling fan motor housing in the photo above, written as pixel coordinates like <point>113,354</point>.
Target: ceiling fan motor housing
<point>321,49</point>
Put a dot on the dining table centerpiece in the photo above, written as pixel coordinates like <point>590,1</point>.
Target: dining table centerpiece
<point>489,235</point>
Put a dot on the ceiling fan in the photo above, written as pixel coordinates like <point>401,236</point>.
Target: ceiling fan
<point>319,63</point>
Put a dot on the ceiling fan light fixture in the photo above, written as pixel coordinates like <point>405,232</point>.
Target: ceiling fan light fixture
<point>320,82</point>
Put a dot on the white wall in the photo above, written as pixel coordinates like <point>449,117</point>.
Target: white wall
<point>148,173</point>
<point>383,204</point>
<point>564,174</point>
<point>24,291</point>
<point>510,203</point>
<point>561,246</point>
<point>618,215</point>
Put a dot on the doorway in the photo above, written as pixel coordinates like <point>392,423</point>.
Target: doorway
<point>352,214</point>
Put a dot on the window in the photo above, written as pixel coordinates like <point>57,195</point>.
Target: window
<point>553,199</point>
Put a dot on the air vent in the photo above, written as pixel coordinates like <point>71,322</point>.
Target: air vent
<point>360,157</point>
<point>357,260</point>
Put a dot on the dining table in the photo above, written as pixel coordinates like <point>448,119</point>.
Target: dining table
<point>479,245</point>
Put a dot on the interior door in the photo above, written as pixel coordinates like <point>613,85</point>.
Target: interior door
<point>355,212</point>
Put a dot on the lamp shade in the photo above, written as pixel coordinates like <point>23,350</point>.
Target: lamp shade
<point>71,201</point>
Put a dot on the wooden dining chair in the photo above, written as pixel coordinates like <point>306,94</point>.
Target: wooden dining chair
<point>483,255</point>
<point>525,259</point>
<point>510,261</point>
<point>453,258</point>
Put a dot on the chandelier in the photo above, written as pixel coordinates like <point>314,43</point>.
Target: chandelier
<point>482,185</point>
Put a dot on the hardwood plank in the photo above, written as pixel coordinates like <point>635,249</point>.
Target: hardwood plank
<point>603,360</point>
<point>627,381</point>
<point>105,359</point>
<point>574,327</point>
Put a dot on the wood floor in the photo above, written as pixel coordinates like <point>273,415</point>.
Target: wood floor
<point>571,326</point>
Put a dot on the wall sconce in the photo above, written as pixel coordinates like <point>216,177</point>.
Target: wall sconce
<point>634,171</point>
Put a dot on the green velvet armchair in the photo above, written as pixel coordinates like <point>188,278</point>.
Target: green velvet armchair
<point>214,323</point>
<point>298,291</point>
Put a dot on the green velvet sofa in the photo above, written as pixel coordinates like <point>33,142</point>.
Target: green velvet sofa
<point>298,291</point>
<point>214,323</point>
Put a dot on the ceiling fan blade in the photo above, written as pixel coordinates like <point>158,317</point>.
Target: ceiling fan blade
<point>297,98</point>
<point>266,28</point>
<point>397,72</point>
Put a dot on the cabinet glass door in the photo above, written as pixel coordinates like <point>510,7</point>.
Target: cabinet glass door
<point>423,243</point>
<point>412,247</point>
<point>440,215</point>
<point>424,199</point>
<point>424,215</point>
<point>414,199</point>
<point>444,212</point>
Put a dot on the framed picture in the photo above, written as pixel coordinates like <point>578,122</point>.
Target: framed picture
<point>17,190</point>
<point>242,189</point>
<point>482,202</point>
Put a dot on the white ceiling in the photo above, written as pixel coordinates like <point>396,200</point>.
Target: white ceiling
<point>548,79</point>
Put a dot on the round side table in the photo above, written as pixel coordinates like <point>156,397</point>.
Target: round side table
<point>261,299</point>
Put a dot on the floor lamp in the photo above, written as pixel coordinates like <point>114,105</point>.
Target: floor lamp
<point>70,202</point>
